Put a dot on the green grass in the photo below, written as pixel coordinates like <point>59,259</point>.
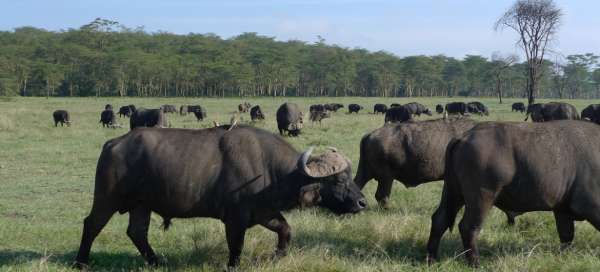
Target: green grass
<point>46,186</point>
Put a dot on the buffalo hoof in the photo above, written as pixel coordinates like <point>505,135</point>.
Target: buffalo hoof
<point>385,204</point>
<point>565,246</point>
<point>279,253</point>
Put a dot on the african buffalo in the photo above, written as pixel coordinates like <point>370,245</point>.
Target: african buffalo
<point>354,108</point>
<point>148,118</point>
<point>395,105</point>
<point>244,176</point>
<point>380,108</point>
<point>518,106</point>
<point>591,113</point>
<point>108,118</point>
<point>289,118</point>
<point>551,111</point>
<point>256,113</point>
<point>317,116</point>
<point>244,107</point>
<point>398,114</point>
<point>199,112</point>
<point>439,109</point>
<point>333,106</point>
<point>477,108</point>
<point>458,108</point>
<point>417,109</point>
<point>62,117</point>
<point>520,167</point>
<point>126,111</point>
<point>316,107</point>
<point>168,108</point>
<point>108,107</point>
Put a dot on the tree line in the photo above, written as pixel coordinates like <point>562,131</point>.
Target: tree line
<point>105,58</point>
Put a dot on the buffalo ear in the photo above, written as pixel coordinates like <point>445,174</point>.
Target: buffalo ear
<point>327,164</point>
<point>309,195</point>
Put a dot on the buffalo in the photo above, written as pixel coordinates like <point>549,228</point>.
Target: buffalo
<point>380,108</point>
<point>520,167</point>
<point>108,118</point>
<point>456,108</point>
<point>243,176</point>
<point>199,112</point>
<point>540,112</point>
<point>354,108</point>
<point>168,108</point>
<point>62,117</point>
<point>244,107</point>
<point>108,107</point>
<point>126,111</point>
<point>317,116</point>
<point>591,113</point>
<point>395,105</point>
<point>398,114</point>
<point>256,113</point>
<point>316,107</point>
<point>148,118</point>
<point>417,109</point>
<point>518,106</point>
<point>289,118</point>
<point>333,106</point>
<point>439,109</point>
<point>477,108</point>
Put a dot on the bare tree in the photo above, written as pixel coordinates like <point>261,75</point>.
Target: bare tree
<point>536,22</point>
<point>500,63</point>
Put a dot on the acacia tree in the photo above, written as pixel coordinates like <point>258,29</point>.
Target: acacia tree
<point>500,64</point>
<point>536,22</point>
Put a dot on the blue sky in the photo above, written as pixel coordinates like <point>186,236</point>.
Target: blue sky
<point>411,27</point>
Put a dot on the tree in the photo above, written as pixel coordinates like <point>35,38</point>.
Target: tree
<point>499,66</point>
<point>536,22</point>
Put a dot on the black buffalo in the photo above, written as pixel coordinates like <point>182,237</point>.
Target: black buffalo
<point>380,108</point>
<point>108,118</point>
<point>62,117</point>
<point>316,107</point>
<point>354,108</point>
<point>126,110</point>
<point>591,113</point>
<point>108,107</point>
<point>520,167</point>
<point>198,111</point>
<point>317,116</point>
<point>333,106</point>
<point>439,108</point>
<point>398,114</point>
<point>477,108</point>
<point>417,109</point>
<point>244,177</point>
<point>395,105</point>
<point>148,118</point>
<point>169,108</point>
<point>256,113</point>
<point>289,118</point>
<point>518,106</point>
<point>457,108</point>
<point>551,111</point>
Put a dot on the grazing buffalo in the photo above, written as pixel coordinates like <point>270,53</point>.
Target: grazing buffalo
<point>148,118</point>
<point>398,114</point>
<point>108,107</point>
<point>457,108</point>
<point>354,108</point>
<point>477,108</point>
<point>333,106</point>
<point>394,105</point>
<point>193,108</point>
<point>518,106</point>
<point>244,107</point>
<point>108,118</point>
<point>317,116</point>
<point>199,112</point>
<point>439,109</point>
<point>417,109</point>
<point>316,107</point>
<point>169,108</point>
<point>244,176</point>
<point>520,167</point>
<point>591,113</point>
<point>380,108</point>
<point>289,118</point>
<point>551,111</point>
<point>62,117</point>
<point>126,111</point>
<point>256,113</point>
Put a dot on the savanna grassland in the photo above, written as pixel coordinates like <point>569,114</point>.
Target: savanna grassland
<point>46,188</point>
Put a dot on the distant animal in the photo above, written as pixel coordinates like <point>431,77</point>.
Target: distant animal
<point>551,111</point>
<point>518,106</point>
<point>193,108</point>
<point>169,108</point>
<point>108,118</point>
<point>183,110</point>
<point>316,107</point>
<point>244,107</point>
<point>380,108</point>
<point>108,107</point>
<point>289,119</point>
<point>354,108</point>
<point>317,116</point>
<point>439,109</point>
<point>256,113</point>
<point>456,108</point>
<point>244,177</point>
<point>62,117</point>
<point>199,112</point>
<point>520,167</point>
<point>591,113</point>
<point>126,110</point>
<point>148,118</point>
<point>479,108</point>
<point>417,109</point>
<point>398,114</point>
<point>395,105</point>
<point>333,106</point>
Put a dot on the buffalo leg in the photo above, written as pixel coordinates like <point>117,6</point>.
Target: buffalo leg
<point>441,220</point>
<point>470,226</point>
<point>235,233</point>
<point>384,189</point>
<point>92,225</point>
<point>283,230</point>
<point>565,227</point>
<point>139,221</point>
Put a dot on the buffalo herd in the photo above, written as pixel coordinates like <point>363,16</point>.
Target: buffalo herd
<point>246,176</point>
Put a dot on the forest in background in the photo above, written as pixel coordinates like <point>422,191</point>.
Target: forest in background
<point>105,58</point>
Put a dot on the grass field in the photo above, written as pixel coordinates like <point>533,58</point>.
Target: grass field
<point>46,187</point>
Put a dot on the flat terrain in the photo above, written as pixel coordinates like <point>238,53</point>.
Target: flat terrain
<point>46,187</point>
